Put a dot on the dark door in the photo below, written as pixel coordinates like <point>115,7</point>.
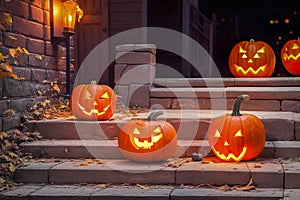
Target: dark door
<point>92,29</point>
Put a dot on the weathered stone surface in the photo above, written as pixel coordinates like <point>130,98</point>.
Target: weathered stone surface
<point>195,173</point>
<point>139,96</point>
<point>297,126</point>
<point>36,60</point>
<point>292,175</point>
<point>132,193</point>
<point>35,46</point>
<point>46,17</point>
<point>161,102</point>
<point>291,194</point>
<point>262,171</point>
<point>9,123</point>
<point>28,28</point>
<point>19,8</point>
<point>36,14</point>
<point>14,40</point>
<point>136,58</point>
<point>287,149</point>
<point>290,105</point>
<point>134,74</point>
<point>21,105</point>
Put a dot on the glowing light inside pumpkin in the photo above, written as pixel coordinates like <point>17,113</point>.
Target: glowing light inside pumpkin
<point>146,143</point>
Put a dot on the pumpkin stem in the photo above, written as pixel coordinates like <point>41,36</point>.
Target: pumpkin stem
<point>93,83</point>
<point>252,40</point>
<point>237,104</point>
<point>153,115</point>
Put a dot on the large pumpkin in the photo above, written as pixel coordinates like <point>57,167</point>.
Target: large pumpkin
<point>290,56</point>
<point>93,102</point>
<point>236,137</point>
<point>149,140</point>
<point>252,59</point>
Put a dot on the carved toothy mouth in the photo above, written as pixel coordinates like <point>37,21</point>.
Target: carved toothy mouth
<point>93,111</point>
<point>230,155</point>
<point>250,69</point>
<point>145,143</point>
<point>288,57</point>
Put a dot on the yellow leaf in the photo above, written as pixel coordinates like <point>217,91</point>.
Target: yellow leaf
<point>6,67</point>
<point>12,52</point>
<point>1,43</point>
<point>12,168</point>
<point>12,37</point>
<point>39,57</point>
<point>19,49</point>
<point>1,57</point>
<point>25,51</point>
<point>3,135</point>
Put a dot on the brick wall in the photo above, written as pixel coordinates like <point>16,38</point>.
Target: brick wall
<point>46,60</point>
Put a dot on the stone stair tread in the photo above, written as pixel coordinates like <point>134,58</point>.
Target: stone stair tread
<point>151,192</point>
<point>283,173</point>
<point>189,123</point>
<point>108,149</point>
<point>226,82</point>
<point>228,92</point>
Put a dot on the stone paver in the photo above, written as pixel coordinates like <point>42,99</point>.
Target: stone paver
<point>292,174</point>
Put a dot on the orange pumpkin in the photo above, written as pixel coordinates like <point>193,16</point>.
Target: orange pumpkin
<point>290,56</point>
<point>252,59</point>
<point>237,137</point>
<point>149,140</point>
<point>93,102</point>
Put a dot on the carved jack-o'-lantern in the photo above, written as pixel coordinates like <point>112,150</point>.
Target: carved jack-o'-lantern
<point>149,140</point>
<point>252,59</point>
<point>290,56</point>
<point>237,137</point>
<point>93,102</point>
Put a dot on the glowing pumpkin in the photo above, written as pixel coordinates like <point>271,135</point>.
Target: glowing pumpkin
<point>93,102</point>
<point>236,137</point>
<point>252,59</point>
<point>290,56</point>
<point>149,140</point>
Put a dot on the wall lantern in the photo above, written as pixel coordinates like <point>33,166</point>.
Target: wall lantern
<point>64,14</point>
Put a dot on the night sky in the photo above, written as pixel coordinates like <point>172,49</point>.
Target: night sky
<point>243,20</point>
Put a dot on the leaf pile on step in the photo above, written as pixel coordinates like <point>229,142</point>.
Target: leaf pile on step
<point>249,186</point>
<point>46,109</point>
<point>11,155</point>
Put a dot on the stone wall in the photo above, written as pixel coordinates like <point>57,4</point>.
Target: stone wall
<point>44,64</point>
<point>135,73</point>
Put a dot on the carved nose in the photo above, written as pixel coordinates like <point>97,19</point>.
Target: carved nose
<point>95,103</point>
<point>226,144</point>
<point>250,61</point>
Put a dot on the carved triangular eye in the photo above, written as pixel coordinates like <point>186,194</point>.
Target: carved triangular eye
<point>239,134</point>
<point>217,134</point>
<point>244,56</point>
<point>157,130</point>
<point>105,96</point>
<point>295,46</point>
<point>88,95</point>
<point>261,50</point>
<point>136,131</point>
<point>256,56</point>
<point>241,50</point>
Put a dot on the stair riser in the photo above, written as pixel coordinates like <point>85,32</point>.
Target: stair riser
<point>276,129</point>
<point>271,150</point>
<point>193,173</point>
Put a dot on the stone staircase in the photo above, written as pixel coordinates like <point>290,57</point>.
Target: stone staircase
<point>80,159</point>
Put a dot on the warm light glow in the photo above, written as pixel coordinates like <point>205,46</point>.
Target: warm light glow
<point>286,21</point>
<point>70,11</point>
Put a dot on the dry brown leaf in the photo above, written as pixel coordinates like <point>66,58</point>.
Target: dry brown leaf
<point>12,37</point>
<point>179,162</point>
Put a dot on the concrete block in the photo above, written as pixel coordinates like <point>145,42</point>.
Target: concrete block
<point>262,171</point>
<point>195,173</point>
<point>292,175</point>
<point>134,74</point>
<point>139,96</point>
<point>136,58</point>
<point>290,105</point>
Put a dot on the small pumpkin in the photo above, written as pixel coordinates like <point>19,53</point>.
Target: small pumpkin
<point>236,137</point>
<point>93,102</point>
<point>252,59</point>
<point>149,140</point>
<point>290,56</point>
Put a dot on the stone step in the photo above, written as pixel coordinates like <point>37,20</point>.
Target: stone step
<point>190,124</point>
<point>265,98</point>
<point>108,149</point>
<point>265,173</point>
<point>227,82</point>
<point>141,192</point>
